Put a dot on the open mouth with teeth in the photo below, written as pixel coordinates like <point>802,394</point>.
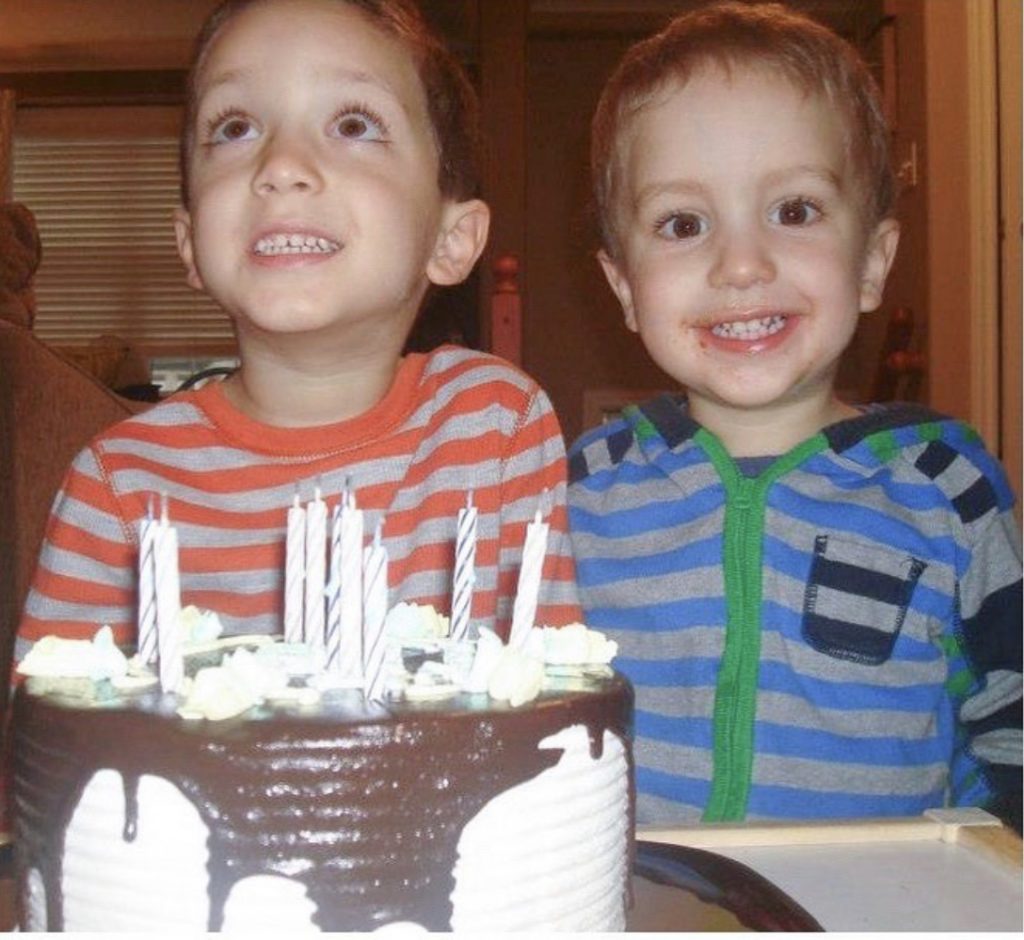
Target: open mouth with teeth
<point>274,245</point>
<point>750,330</point>
<point>751,336</point>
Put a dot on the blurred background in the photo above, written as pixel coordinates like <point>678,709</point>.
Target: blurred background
<point>90,103</point>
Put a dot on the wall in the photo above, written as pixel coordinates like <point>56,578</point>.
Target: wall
<point>43,35</point>
<point>565,293</point>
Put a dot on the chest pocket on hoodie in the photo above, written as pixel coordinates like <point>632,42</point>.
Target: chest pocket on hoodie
<point>857,599</point>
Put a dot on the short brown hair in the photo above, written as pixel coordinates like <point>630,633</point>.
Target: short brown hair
<point>738,35</point>
<point>451,100</point>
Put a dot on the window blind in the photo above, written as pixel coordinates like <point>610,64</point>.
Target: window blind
<point>110,264</point>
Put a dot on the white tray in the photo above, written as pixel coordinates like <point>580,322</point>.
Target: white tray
<point>946,870</point>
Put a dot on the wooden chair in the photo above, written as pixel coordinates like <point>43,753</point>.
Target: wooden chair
<point>49,409</point>
<point>901,369</point>
<point>506,310</point>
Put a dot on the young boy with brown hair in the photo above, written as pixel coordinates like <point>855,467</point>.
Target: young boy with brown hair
<point>329,180</point>
<point>819,605</point>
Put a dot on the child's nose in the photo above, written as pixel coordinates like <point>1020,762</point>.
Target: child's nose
<point>286,165</point>
<point>743,260</point>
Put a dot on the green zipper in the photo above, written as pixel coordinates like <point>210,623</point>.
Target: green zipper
<point>736,689</point>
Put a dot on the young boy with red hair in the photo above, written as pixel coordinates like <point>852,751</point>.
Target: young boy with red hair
<point>819,605</point>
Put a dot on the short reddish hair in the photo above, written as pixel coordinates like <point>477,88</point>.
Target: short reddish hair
<point>451,100</point>
<point>735,35</point>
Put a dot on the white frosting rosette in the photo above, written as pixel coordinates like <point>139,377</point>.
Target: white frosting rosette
<point>53,657</point>
<point>410,623</point>
<point>198,627</point>
<point>577,646</point>
<point>242,680</point>
<point>517,675</point>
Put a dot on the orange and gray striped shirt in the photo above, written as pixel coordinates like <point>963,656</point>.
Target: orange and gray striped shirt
<point>454,421</point>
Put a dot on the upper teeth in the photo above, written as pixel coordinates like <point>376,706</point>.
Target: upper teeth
<point>293,245</point>
<point>750,329</point>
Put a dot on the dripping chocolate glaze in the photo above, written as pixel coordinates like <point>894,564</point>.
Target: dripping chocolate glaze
<point>410,777</point>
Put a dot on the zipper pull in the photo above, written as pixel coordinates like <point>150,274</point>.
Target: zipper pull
<point>742,497</point>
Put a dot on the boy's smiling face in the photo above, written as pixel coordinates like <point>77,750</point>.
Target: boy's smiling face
<point>744,258</point>
<point>314,198</point>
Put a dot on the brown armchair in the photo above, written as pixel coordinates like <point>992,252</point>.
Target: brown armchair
<point>49,409</point>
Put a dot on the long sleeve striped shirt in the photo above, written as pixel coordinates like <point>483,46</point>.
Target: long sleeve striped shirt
<point>453,422</point>
<point>838,635</point>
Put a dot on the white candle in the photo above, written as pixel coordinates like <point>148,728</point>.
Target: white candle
<point>168,604</point>
<point>465,573</point>
<point>375,607</point>
<point>350,655</point>
<point>316,571</point>
<point>333,631</point>
<point>524,609</point>
<point>147,587</point>
<point>294,572</point>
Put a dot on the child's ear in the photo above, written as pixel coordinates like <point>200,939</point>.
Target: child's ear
<point>463,234</point>
<point>879,254</point>
<point>619,284</point>
<point>183,234</point>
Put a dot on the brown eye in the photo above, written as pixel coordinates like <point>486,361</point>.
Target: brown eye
<point>359,124</point>
<point>232,128</point>
<point>681,225</point>
<point>235,129</point>
<point>352,126</point>
<point>797,212</point>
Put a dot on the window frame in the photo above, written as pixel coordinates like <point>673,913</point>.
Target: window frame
<point>37,97</point>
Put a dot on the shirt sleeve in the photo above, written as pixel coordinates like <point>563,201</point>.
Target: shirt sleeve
<point>987,765</point>
<point>534,479</point>
<point>85,576</point>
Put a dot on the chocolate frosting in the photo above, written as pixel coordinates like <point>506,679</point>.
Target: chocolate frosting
<point>362,804</point>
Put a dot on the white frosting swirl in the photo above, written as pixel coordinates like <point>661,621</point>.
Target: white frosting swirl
<point>239,682</point>
<point>517,677</point>
<point>197,626</point>
<point>415,622</point>
<point>244,679</point>
<point>55,657</point>
<point>576,645</point>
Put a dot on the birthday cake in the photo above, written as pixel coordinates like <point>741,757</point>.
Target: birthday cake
<point>306,807</point>
<point>370,767</point>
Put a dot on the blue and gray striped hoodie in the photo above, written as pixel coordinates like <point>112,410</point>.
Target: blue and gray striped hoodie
<point>834,634</point>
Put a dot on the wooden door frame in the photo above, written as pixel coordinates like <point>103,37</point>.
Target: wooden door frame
<point>962,167</point>
<point>1008,26</point>
<point>503,123</point>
